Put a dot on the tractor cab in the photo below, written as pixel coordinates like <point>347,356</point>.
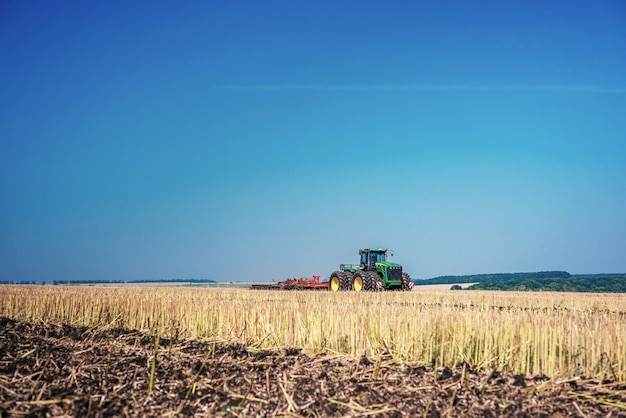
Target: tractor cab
<point>369,258</point>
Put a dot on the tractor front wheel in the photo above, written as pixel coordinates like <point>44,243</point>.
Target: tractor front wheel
<point>364,281</point>
<point>357,282</point>
<point>369,281</point>
<point>407,284</point>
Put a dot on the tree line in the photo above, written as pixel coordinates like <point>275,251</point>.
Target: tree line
<point>497,277</point>
<point>76,282</point>
<point>597,284</point>
<point>19,282</point>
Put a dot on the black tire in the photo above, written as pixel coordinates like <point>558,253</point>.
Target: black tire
<point>364,281</point>
<point>340,281</point>
<point>369,281</point>
<point>406,282</point>
<point>334,283</point>
<point>358,280</point>
<point>346,280</point>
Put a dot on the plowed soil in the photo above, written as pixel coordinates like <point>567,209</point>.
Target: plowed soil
<point>60,370</point>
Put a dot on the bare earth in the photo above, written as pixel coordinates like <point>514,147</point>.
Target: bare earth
<point>60,370</point>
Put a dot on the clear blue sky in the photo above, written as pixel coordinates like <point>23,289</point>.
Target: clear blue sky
<point>237,140</point>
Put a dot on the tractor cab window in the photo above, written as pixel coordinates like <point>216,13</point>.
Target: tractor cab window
<point>370,258</point>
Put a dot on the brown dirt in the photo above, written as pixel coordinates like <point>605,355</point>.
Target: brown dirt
<point>60,370</point>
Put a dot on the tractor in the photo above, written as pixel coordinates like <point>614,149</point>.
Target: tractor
<point>374,273</point>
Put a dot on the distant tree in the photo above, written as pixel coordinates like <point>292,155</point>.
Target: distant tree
<point>456,287</point>
<point>496,277</point>
<point>595,283</point>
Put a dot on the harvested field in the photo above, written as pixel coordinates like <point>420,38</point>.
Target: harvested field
<point>442,287</point>
<point>559,335</point>
<point>56,369</point>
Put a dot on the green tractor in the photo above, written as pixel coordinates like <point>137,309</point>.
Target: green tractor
<point>374,273</point>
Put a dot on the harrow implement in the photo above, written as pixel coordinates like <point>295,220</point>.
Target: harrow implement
<point>294,284</point>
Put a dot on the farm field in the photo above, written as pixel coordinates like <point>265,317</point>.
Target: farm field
<point>147,350</point>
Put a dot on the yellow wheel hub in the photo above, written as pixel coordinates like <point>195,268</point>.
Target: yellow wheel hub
<point>334,284</point>
<point>358,284</point>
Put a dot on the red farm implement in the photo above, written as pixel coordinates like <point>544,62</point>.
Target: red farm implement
<point>295,284</point>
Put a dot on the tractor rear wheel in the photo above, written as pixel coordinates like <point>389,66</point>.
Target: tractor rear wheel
<point>346,281</point>
<point>335,281</point>
<point>340,280</point>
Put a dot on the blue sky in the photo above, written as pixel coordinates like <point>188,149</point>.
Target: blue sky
<point>261,140</point>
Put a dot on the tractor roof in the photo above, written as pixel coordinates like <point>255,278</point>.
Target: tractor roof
<point>380,250</point>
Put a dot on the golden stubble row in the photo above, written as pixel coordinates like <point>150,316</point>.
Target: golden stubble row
<point>553,334</point>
